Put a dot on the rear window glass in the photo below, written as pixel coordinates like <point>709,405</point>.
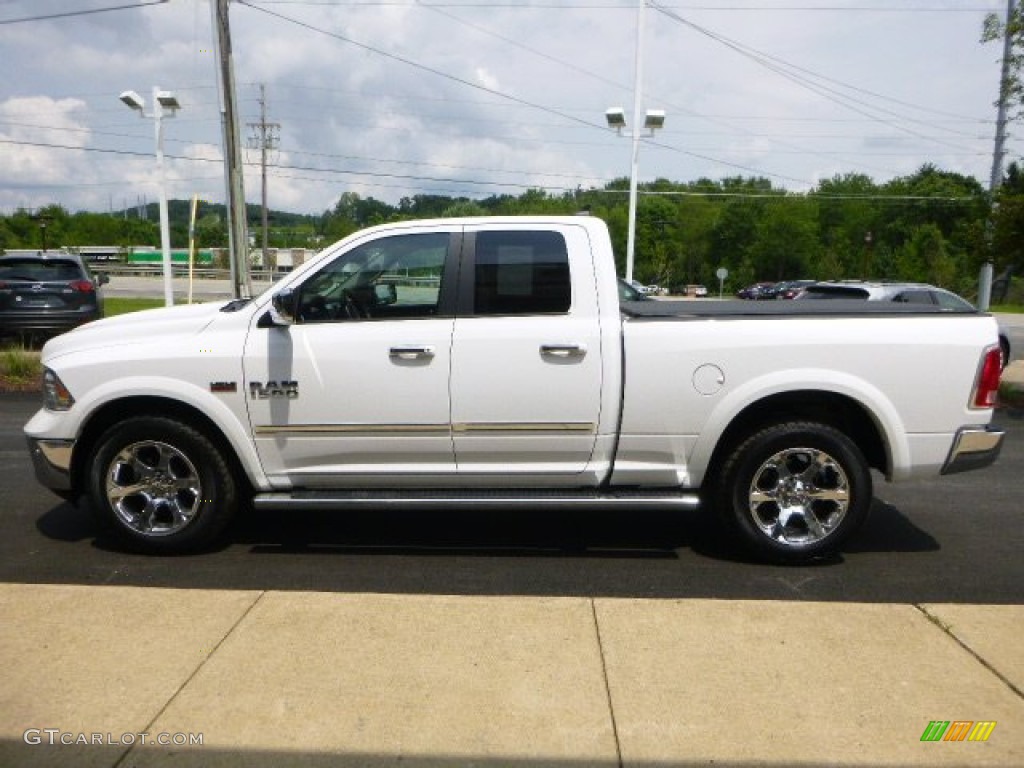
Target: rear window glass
<point>914,297</point>
<point>38,270</point>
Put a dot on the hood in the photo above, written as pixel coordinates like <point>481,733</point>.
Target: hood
<point>149,326</point>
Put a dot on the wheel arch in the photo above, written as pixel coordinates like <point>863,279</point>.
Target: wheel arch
<point>119,410</point>
<point>834,409</point>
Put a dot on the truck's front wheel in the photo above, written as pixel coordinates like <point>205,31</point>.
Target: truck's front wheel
<point>795,491</point>
<point>161,485</point>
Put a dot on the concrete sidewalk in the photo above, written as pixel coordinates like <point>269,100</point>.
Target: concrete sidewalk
<point>324,679</point>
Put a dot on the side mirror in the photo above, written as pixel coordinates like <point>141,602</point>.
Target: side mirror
<point>102,278</point>
<point>385,294</point>
<point>283,307</point>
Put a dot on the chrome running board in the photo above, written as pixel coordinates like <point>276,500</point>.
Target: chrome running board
<point>482,500</point>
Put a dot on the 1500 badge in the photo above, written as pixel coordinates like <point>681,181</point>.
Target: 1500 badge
<point>286,389</point>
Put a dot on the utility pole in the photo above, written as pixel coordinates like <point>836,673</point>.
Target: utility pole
<point>238,235</point>
<point>265,137</point>
<point>999,152</point>
<point>996,179</point>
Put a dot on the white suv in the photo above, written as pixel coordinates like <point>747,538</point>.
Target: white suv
<point>905,293</point>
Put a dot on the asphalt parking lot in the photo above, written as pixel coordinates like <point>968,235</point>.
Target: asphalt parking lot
<point>957,539</point>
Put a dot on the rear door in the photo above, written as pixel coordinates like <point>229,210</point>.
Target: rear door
<point>526,377</point>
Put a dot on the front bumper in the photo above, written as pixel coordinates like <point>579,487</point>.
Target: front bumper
<point>973,448</point>
<point>51,460</point>
<point>46,322</point>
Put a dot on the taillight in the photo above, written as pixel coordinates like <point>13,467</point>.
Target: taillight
<point>83,286</point>
<point>986,387</point>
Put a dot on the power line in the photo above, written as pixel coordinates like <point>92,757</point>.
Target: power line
<point>86,12</point>
<point>424,67</point>
<point>783,68</point>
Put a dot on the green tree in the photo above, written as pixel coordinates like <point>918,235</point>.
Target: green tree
<point>926,257</point>
<point>463,208</point>
<point>785,242</point>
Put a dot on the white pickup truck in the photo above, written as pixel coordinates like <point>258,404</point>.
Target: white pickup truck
<point>489,363</point>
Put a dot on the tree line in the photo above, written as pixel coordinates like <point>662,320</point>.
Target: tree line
<point>932,226</point>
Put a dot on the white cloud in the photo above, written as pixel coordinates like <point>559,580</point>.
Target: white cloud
<point>386,122</point>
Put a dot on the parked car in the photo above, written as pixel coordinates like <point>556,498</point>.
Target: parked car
<point>45,294</point>
<point>628,292</point>
<point>790,289</point>
<point>904,293</point>
<point>756,292</point>
<point>700,291</point>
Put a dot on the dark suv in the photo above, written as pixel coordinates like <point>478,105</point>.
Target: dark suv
<point>44,294</point>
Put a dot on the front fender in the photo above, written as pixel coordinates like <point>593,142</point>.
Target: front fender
<point>226,413</point>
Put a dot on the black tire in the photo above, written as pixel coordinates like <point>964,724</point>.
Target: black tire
<point>161,485</point>
<point>794,492</point>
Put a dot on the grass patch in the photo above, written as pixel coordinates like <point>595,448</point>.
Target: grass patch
<point>1011,395</point>
<point>1009,308</point>
<point>20,369</point>
<point>121,305</point>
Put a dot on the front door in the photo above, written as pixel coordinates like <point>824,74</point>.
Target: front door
<point>357,388</point>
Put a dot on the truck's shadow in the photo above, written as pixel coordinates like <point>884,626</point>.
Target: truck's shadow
<point>538,534</point>
<point>600,554</point>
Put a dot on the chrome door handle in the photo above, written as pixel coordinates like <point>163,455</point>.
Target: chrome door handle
<point>411,352</point>
<point>563,350</point>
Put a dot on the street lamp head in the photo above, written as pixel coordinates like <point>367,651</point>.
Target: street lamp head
<point>133,100</point>
<point>168,100</point>
<point>616,117</point>
<point>654,120</point>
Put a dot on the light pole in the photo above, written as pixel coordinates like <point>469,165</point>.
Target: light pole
<point>654,120</point>
<point>162,101</point>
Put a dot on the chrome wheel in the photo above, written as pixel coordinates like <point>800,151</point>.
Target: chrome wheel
<point>799,496</point>
<point>153,488</point>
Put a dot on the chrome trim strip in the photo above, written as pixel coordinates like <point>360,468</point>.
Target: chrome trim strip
<point>328,430</point>
<point>337,430</point>
<point>518,428</point>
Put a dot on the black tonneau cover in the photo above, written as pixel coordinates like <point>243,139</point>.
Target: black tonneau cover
<point>709,308</point>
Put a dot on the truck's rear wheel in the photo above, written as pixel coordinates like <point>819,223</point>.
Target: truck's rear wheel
<point>794,491</point>
<point>161,485</point>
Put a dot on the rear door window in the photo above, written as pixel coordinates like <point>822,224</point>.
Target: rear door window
<point>521,273</point>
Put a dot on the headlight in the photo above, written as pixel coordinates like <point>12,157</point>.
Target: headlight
<point>56,396</point>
